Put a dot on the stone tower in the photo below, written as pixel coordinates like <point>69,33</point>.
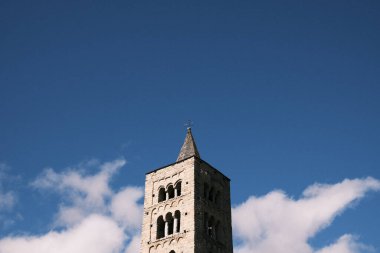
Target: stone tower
<point>187,207</point>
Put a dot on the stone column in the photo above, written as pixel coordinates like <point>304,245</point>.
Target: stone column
<point>166,228</point>
<point>175,225</point>
<point>175,192</point>
<point>167,195</point>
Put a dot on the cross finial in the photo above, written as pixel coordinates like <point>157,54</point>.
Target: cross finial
<point>189,124</point>
<point>189,148</point>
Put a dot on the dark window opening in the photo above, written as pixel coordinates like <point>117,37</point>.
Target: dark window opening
<point>211,194</point>
<point>178,189</point>
<point>170,221</point>
<point>217,231</point>
<point>170,192</point>
<point>161,194</point>
<point>177,219</point>
<point>217,198</point>
<point>205,222</point>
<point>210,229</point>
<point>160,228</point>
<point>205,192</point>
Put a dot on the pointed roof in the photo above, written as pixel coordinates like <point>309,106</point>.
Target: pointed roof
<point>189,148</point>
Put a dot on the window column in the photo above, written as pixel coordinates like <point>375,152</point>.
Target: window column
<point>166,228</point>
<point>175,225</point>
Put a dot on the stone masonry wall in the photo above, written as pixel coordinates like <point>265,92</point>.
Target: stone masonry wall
<point>183,241</point>
<point>211,181</point>
<point>204,204</point>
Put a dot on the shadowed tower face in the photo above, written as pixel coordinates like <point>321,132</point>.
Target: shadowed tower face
<point>187,207</point>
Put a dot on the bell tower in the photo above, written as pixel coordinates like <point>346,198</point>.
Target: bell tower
<point>187,207</point>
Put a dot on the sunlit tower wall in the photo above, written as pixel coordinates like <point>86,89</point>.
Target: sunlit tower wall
<point>187,206</point>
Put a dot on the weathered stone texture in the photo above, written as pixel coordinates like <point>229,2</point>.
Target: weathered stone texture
<point>196,219</point>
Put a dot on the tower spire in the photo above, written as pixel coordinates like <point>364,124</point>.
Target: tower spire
<point>189,148</point>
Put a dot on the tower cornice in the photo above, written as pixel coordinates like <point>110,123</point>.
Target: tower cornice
<point>195,158</point>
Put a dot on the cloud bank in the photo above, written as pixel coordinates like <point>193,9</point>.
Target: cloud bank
<point>94,234</point>
<point>93,217</point>
<point>275,223</point>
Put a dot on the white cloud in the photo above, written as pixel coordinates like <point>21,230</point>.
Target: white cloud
<point>345,244</point>
<point>92,189</point>
<point>134,245</point>
<point>125,209</point>
<point>276,223</point>
<point>84,193</point>
<point>92,217</point>
<point>95,234</point>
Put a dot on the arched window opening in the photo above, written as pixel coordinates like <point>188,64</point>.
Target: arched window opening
<point>177,221</point>
<point>211,194</point>
<point>172,251</point>
<point>169,224</point>
<point>161,194</point>
<point>205,193</point>
<point>177,189</point>
<point>217,231</point>
<point>210,229</point>
<point>217,198</point>
<point>160,227</point>
<point>205,222</point>
<point>170,193</point>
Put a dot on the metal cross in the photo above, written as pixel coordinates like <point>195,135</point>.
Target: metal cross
<point>189,124</point>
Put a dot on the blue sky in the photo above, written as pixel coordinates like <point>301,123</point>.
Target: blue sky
<point>283,94</point>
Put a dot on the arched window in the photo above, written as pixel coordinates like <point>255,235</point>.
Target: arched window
<point>160,227</point>
<point>172,251</point>
<point>211,194</point>
<point>177,221</point>
<point>170,222</point>
<point>205,222</point>
<point>161,194</point>
<point>217,231</point>
<point>217,198</point>
<point>170,192</point>
<point>205,191</point>
<point>210,229</point>
<point>177,189</point>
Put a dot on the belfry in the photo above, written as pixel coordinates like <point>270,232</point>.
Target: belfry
<point>187,206</point>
